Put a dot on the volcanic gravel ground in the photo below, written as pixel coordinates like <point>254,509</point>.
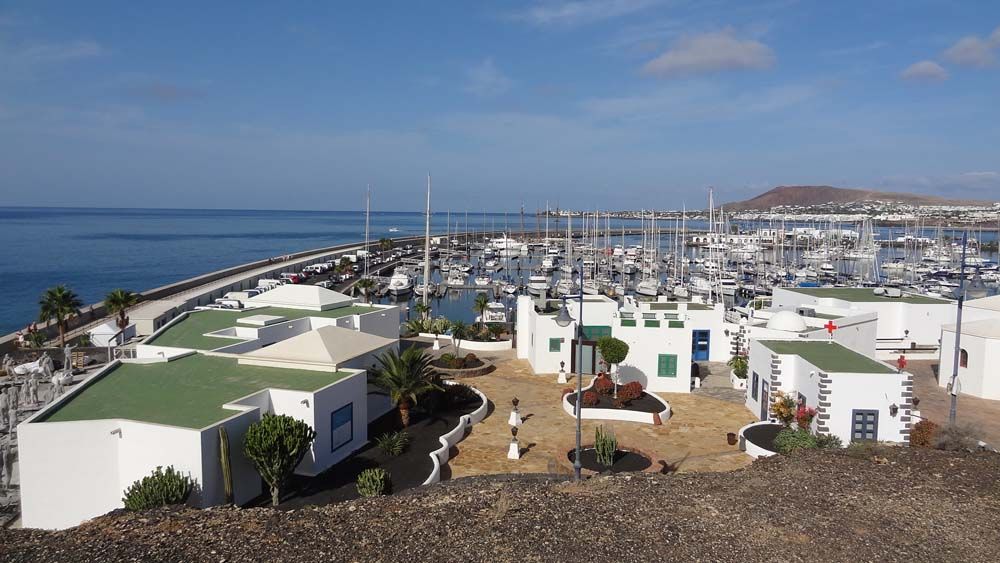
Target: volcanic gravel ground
<point>889,504</point>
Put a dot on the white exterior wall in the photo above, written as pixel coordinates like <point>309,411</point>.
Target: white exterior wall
<point>246,481</point>
<point>69,472</point>
<point>353,389</point>
<point>384,323</point>
<point>851,391</point>
<point>980,378</point>
<point>644,347</point>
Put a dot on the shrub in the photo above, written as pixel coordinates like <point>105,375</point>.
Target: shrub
<point>471,358</point>
<point>740,366</point>
<point>605,446</point>
<point>393,443</point>
<point>447,358</point>
<point>804,416</point>
<point>612,349</point>
<point>276,445</point>
<point>955,437</point>
<point>604,386</point>
<point>457,363</point>
<point>788,440</point>
<point>590,399</point>
<point>924,434</point>
<point>828,441</point>
<point>865,449</point>
<point>784,408</point>
<point>458,395</point>
<point>161,488</point>
<point>373,482</point>
<point>630,391</point>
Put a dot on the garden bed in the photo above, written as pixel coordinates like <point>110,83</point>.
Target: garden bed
<point>647,408</point>
<point>625,461</point>
<point>407,470</point>
<point>757,439</point>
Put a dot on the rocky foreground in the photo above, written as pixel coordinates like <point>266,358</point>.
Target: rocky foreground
<point>892,504</point>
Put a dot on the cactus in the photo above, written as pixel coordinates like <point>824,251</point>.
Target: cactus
<point>276,445</point>
<point>163,487</point>
<point>227,470</point>
<point>605,446</point>
<point>373,482</point>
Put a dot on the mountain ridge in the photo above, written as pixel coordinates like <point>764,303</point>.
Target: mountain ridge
<point>805,196</point>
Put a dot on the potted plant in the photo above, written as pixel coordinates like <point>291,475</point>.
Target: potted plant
<point>738,375</point>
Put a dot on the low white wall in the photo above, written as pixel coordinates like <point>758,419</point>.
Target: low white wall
<point>751,449</point>
<point>440,456</point>
<point>474,346</point>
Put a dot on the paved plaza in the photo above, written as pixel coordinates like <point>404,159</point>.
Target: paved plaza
<point>983,415</point>
<point>693,439</point>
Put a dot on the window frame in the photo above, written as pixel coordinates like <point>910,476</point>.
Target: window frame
<point>350,421</point>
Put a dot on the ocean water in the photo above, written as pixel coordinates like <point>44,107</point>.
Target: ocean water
<point>96,250</point>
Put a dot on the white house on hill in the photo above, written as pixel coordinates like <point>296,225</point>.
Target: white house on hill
<point>856,397</point>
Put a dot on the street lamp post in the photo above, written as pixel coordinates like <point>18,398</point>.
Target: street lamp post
<point>564,319</point>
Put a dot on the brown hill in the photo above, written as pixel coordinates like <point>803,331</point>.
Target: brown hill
<point>805,196</point>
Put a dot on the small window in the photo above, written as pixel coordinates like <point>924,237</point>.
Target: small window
<point>555,344</point>
<point>651,324</point>
<point>628,322</point>
<point>341,426</point>
<point>676,324</point>
<point>963,358</point>
<point>753,388</point>
<point>666,365</point>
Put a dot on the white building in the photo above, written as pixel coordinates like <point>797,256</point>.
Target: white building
<point>979,358</point>
<point>205,370</point>
<point>108,334</point>
<point>905,321</point>
<point>664,338</point>
<point>856,396</point>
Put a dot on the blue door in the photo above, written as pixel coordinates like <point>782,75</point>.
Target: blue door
<point>699,345</point>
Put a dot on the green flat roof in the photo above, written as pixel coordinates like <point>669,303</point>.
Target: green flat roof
<point>865,295</point>
<point>188,392</point>
<point>190,331</point>
<point>828,356</point>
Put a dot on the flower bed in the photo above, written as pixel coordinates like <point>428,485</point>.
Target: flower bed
<point>757,439</point>
<point>625,461</point>
<point>647,407</point>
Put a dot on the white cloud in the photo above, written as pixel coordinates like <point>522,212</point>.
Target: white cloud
<point>580,12</point>
<point>30,55</point>
<point>711,52</point>
<point>971,51</point>
<point>925,71</point>
<point>486,80</point>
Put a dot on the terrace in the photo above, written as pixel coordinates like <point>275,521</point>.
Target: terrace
<point>865,295</point>
<point>190,331</point>
<point>828,356</point>
<point>188,392</point>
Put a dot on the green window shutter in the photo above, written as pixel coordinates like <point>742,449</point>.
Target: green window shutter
<point>676,324</point>
<point>666,365</point>
<point>596,331</point>
<point>628,322</point>
<point>651,324</point>
<point>555,344</point>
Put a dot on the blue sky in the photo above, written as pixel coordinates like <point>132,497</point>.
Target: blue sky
<point>613,104</point>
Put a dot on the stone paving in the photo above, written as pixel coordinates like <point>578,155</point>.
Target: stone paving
<point>935,403</point>
<point>715,383</point>
<point>693,439</point>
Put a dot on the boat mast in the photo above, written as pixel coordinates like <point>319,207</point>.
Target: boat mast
<point>427,244</point>
<point>368,210</point>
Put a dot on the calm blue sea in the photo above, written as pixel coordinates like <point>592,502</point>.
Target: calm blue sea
<point>96,250</point>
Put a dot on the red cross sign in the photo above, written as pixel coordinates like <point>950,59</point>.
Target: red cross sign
<point>830,327</point>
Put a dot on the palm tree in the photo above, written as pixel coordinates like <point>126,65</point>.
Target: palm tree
<point>422,310</point>
<point>59,303</point>
<point>405,377</point>
<point>479,306</point>
<point>367,285</point>
<point>117,303</point>
<point>344,265</point>
<point>385,244</point>
<point>459,330</point>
